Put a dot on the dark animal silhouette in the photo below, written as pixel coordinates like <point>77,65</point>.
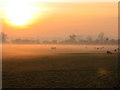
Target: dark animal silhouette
<point>115,50</point>
<point>53,48</point>
<point>97,48</point>
<point>109,52</point>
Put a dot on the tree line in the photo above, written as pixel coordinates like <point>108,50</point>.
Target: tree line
<point>72,39</point>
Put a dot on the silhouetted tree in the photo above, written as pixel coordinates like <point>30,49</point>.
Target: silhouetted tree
<point>89,39</point>
<point>101,36</point>
<point>4,37</point>
<point>54,41</point>
<point>72,38</point>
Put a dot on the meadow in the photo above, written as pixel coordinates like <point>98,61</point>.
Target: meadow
<point>68,66</point>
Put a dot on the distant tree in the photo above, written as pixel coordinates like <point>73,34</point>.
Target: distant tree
<point>72,38</point>
<point>113,40</point>
<point>46,41</point>
<point>79,38</point>
<point>37,41</point>
<point>54,41</point>
<point>101,36</point>
<point>118,41</point>
<point>4,37</point>
<point>89,39</point>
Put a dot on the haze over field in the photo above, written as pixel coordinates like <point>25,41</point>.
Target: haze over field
<point>67,66</point>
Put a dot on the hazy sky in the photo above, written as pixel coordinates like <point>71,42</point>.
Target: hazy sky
<point>58,20</point>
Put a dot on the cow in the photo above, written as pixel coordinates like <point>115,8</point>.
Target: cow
<point>109,52</point>
<point>53,48</point>
<point>115,50</point>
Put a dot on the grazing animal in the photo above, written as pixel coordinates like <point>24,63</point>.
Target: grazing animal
<point>109,52</point>
<point>97,48</point>
<point>115,50</point>
<point>53,48</point>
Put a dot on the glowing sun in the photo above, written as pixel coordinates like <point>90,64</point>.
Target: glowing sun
<point>19,12</point>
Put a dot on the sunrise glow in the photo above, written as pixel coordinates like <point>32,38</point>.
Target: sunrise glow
<point>19,12</point>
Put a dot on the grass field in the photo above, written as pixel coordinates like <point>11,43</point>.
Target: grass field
<point>63,70</point>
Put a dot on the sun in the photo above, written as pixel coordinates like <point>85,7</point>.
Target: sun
<point>19,12</point>
<point>18,15</point>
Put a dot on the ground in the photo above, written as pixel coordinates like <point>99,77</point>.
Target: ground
<point>63,70</point>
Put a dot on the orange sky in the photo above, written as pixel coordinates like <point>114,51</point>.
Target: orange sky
<point>61,19</point>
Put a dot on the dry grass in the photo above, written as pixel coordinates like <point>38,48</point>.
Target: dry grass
<point>77,70</point>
